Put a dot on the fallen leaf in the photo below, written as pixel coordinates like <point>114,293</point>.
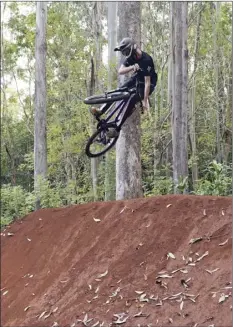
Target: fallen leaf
<point>90,287</point>
<point>138,314</point>
<point>85,320</point>
<point>121,318</point>
<point>48,315</point>
<point>4,293</point>
<point>162,272</point>
<point>204,212</point>
<point>168,205</point>
<point>175,296</point>
<point>103,274</point>
<point>212,271</point>
<point>181,305</point>
<point>164,276</point>
<point>223,213</point>
<point>204,255</point>
<point>55,324</point>
<point>26,309</point>
<point>139,292</point>
<point>195,240</point>
<point>96,220</point>
<point>123,209</point>
<point>116,292</point>
<point>184,271</point>
<point>170,255</point>
<point>222,298</point>
<point>42,314</point>
<point>184,283</point>
<point>29,240</point>
<point>174,271</point>
<point>143,298</point>
<point>154,298</point>
<point>55,310</point>
<point>170,320</point>
<point>223,243</point>
<point>95,324</point>
<point>10,234</point>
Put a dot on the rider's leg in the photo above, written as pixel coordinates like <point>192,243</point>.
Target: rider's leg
<point>99,111</point>
<point>131,105</point>
<point>134,101</point>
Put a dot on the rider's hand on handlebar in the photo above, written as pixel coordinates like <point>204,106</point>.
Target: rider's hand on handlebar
<point>135,68</point>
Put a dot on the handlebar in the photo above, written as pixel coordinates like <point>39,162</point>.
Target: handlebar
<point>126,89</point>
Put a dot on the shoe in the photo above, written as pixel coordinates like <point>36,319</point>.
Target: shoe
<point>95,111</point>
<point>112,133</point>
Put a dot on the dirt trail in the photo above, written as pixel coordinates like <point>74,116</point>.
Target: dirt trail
<point>109,262</point>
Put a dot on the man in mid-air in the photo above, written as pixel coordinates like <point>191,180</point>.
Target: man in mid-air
<point>141,64</point>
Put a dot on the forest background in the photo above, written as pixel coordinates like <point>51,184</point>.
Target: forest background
<point>80,37</point>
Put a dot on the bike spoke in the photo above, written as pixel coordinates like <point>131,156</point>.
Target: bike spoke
<point>99,144</point>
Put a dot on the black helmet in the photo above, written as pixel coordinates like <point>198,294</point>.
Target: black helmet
<point>126,47</point>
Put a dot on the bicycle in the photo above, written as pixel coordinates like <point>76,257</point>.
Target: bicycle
<point>99,139</point>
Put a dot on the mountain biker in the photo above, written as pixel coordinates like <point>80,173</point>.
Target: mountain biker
<point>140,63</point>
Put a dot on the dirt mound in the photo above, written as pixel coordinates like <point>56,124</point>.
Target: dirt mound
<point>160,261</point>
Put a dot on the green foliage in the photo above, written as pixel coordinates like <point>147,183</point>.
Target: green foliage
<point>70,46</point>
<point>15,203</point>
<point>216,181</point>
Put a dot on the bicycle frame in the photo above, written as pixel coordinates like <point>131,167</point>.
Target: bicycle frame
<point>121,107</point>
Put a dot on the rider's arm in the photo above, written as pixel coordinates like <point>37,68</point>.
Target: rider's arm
<point>124,70</point>
<point>147,90</point>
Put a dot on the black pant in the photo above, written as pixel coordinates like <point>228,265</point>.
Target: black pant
<point>136,97</point>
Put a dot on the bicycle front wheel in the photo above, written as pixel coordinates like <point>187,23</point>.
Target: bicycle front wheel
<point>99,143</point>
<point>108,98</point>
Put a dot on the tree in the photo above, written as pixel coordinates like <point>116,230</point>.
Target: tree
<point>40,144</point>
<point>112,39</point>
<point>192,128</point>
<point>179,98</point>
<point>128,156</point>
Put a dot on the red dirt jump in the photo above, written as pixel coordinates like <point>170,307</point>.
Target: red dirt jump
<point>158,261</point>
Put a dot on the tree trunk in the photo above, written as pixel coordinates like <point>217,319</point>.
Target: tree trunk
<point>193,103</point>
<point>218,89</point>
<point>93,160</point>
<point>179,105</point>
<point>96,62</point>
<point>112,40</point>
<point>40,146</point>
<point>128,149</point>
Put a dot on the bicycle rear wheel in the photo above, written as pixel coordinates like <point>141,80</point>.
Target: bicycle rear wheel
<point>99,143</point>
<point>108,98</point>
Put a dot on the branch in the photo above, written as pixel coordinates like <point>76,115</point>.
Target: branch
<point>22,104</point>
